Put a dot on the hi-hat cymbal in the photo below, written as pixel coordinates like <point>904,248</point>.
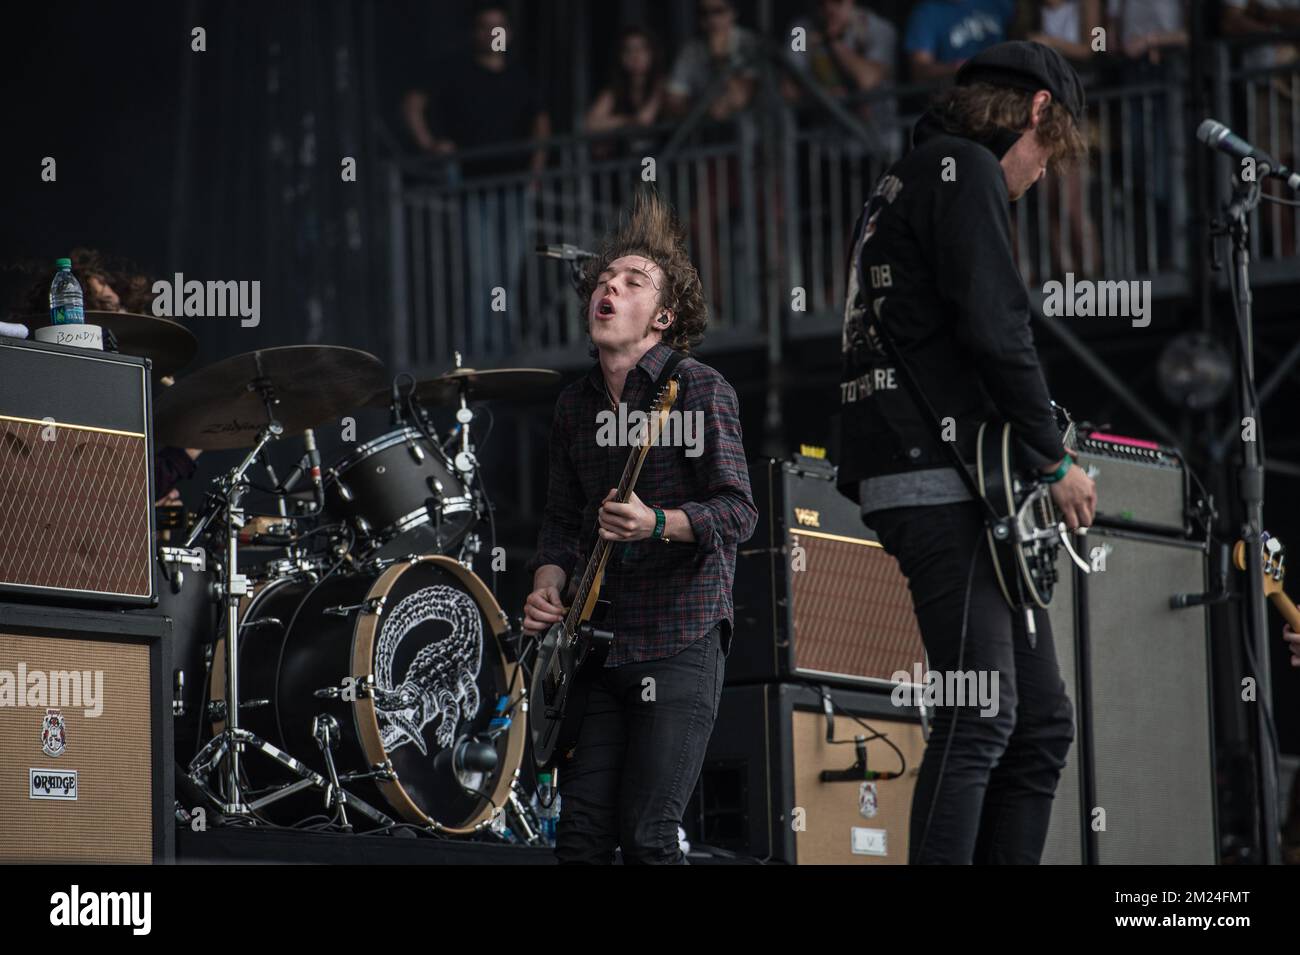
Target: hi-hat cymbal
<point>222,405</point>
<point>168,344</point>
<point>478,385</point>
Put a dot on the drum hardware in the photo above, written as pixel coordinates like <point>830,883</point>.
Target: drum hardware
<point>205,764</point>
<point>217,766</point>
<point>325,730</point>
<point>193,557</point>
<point>178,693</point>
<point>345,492</point>
<point>524,819</point>
<point>362,686</point>
<point>373,606</point>
<point>379,772</point>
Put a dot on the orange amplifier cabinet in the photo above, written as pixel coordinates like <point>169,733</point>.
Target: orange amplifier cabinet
<point>76,475</point>
<point>86,764</point>
<point>816,595</point>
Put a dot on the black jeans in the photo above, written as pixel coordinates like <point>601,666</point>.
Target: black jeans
<point>639,755</point>
<point>994,801</point>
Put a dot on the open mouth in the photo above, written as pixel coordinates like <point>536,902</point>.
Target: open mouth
<point>605,307</point>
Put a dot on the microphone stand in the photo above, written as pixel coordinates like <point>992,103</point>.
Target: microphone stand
<point>1246,196</point>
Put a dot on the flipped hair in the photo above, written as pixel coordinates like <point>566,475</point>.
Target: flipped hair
<point>653,232</point>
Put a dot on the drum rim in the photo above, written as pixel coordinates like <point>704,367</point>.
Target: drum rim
<point>387,440</point>
<point>366,720</point>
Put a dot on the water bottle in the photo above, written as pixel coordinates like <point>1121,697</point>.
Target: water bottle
<point>546,803</point>
<point>67,304</point>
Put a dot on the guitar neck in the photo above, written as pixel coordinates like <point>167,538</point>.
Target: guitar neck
<point>595,568</point>
<point>1289,611</point>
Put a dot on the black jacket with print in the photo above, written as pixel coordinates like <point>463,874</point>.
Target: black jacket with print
<point>932,257</point>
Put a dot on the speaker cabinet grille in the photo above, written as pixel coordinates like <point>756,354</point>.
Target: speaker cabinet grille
<point>74,509</point>
<point>1147,719</point>
<point>1151,705</point>
<point>111,818</point>
<point>833,810</point>
<point>852,610</point>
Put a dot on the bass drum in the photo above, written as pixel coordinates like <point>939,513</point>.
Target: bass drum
<point>420,641</point>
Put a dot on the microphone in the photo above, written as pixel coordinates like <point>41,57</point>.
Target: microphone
<point>313,461</point>
<point>395,404</point>
<point>569,253</point>
<point>1217,136</point>
<point>467,755</point>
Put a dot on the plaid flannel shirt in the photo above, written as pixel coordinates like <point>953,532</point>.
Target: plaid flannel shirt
<point>665,596</point>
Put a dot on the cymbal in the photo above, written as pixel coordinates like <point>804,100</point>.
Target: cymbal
<point>221,405</point>
<point>479,385</point>
<point>168,344</point>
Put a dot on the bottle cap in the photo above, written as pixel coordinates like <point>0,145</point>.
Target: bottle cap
<point>63,263</point>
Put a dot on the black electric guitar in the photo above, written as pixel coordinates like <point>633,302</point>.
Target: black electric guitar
<point>574,649</point>
<point>1026,544</point>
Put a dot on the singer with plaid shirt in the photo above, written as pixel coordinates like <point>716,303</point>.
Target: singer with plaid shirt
<point>669,577</point>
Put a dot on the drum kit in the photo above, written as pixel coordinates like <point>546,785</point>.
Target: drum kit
<point>338,663</point>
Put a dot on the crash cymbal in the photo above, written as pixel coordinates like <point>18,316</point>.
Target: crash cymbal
<point>222,405</point>
<point>168,344</point>
<point>479,385</point>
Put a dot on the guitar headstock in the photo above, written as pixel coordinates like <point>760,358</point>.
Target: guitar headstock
<point>1272,555</point>
<point>1065,424</point>
<point>664,400</point>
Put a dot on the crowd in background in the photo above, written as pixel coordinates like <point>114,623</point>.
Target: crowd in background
<point>851,50</point>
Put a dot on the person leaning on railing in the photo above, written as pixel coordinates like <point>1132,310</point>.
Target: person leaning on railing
<point>723,45</point>
<point>486,99</point>
<point>634,95</point>
<point>848,50</point>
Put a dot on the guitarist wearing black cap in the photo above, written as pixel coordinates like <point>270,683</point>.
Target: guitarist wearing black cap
<point>932,269</point>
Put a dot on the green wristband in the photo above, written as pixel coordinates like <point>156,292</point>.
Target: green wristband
<point>1066,463</point>
<point>659,523</point>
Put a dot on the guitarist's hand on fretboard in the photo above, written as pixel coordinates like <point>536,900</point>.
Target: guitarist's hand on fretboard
<point>1293,642</point>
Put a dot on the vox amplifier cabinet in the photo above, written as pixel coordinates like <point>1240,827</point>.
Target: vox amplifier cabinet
<point>76,475</point>
<point>1142,486</point>
<point>816,596</point>
<point>86,764</point>
<point>774,788</point>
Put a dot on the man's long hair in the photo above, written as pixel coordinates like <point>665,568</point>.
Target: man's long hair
<point>980,110</point>
<point>653,232</point>
<point>133,288</point>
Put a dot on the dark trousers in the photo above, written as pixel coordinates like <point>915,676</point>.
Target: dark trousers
<point>994,801</point>
<point>639,755</point>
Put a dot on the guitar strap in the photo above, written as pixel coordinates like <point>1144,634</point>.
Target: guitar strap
<point>927,411</point>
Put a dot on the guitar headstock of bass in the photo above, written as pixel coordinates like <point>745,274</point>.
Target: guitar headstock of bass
<point>1272,555</point>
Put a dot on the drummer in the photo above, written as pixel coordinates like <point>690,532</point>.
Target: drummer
<point>122,289</point>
